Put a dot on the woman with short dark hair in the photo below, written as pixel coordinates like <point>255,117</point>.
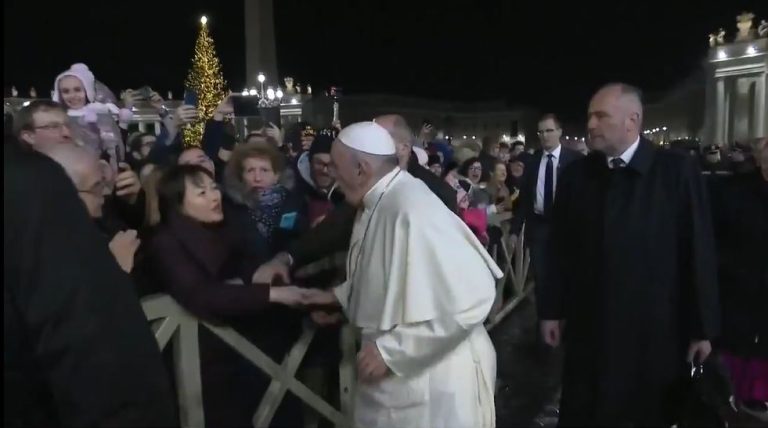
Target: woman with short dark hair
<point>202,267</point>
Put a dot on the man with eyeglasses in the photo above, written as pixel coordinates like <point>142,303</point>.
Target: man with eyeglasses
<point>86,173</point>
<point>538,188</point>
<point>42,124</point>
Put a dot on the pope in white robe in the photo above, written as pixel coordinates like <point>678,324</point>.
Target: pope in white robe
<point>419,286</point>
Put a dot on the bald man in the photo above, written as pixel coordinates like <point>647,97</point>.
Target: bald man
<point>77,347</point>
<point>86,173</point>
<point>632,273</point>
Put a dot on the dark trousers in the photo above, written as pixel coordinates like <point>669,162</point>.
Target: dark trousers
<point>536,236</point>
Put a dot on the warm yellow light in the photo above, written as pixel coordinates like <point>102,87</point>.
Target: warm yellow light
<point>203,20</point>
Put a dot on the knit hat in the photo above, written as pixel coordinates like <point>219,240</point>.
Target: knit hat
<point>82,72</point>
<point>323,140</point>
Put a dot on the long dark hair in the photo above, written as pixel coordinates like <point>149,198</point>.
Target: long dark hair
<point>173,186</point>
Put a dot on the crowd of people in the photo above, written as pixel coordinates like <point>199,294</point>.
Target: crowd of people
<point>640,250</point>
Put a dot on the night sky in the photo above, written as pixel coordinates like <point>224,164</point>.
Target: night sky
<point>538,53</point>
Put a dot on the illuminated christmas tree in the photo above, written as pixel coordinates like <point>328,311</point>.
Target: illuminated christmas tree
<point>206,80</point>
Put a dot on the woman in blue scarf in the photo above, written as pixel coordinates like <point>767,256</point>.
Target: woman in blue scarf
<point>258,208</point>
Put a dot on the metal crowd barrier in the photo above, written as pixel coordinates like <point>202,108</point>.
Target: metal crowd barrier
<point>170,321</point>
<point>515,267</point>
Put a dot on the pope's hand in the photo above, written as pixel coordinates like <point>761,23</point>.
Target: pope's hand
<point>370,364</point>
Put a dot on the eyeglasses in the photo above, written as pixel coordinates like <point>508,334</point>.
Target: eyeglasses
<point>475,168</point>
<point>96,190</point>
<point>321,165</point>
<point>53,126</point>
<point>545,131</point>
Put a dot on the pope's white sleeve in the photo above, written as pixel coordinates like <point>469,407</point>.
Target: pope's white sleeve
<point>410,348</point>
<point>342,294</point>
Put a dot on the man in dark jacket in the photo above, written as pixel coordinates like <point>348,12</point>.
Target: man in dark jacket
<point>538,187</point>
<point>632,273</point>
<point>78,350</point>
<point>333,233</point>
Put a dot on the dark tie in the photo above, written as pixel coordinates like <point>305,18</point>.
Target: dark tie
<point>549,184</point>
<point>617,163</point>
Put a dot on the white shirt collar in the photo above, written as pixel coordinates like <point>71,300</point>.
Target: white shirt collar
<point>628,154</point>
<point>555,153</point>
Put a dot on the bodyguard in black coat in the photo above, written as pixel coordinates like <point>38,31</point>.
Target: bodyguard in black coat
<point>77,348</point>
<point>633,273</point>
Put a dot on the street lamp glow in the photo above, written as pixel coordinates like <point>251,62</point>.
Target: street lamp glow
<point>567,137</point>
<point>721,54</point>
<point>252,92</point>
<point>270,93</point>
<point>663,128</point>
<point>25,103</point>
<point>473,137</point>
<point>464,137</point>
<point>751,50</point>
<point>261,78</point>
<point>279,93</point>
<point>245,92</point>
<point>203,20</point>
<point>294,101</point>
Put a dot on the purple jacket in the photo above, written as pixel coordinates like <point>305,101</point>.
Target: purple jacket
<point>193,261</point>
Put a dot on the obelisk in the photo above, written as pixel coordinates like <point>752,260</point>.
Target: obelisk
<point>260,50</point>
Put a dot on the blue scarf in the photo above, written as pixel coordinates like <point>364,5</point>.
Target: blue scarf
<point>268,208</point>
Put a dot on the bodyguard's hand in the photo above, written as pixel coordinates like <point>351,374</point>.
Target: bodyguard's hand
<point>699,349</point>
<point>551,332</point>
<point>371,367</point>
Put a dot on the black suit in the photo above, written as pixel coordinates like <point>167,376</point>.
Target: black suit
<point>632,270</point>
<point>537,226</point>
<point>78,350</point>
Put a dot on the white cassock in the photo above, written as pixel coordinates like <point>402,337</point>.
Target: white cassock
<point>420,285</point>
